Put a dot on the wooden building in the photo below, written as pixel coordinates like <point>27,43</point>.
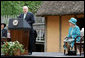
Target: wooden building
<point>57,14</point>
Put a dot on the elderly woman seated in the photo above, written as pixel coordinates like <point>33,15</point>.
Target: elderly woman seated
<point>74,31</point>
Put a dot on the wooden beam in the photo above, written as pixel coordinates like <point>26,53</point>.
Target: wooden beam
<point>60,34</point>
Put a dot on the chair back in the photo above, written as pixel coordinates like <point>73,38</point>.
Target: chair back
<point>82,34</point>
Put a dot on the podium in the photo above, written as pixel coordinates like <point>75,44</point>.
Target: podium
<point>19,31</point>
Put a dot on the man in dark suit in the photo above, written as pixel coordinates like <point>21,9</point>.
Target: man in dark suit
<point>29,17</point>
<point>3,31</point>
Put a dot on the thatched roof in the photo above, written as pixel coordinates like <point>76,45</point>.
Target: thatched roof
<point>60,8</point>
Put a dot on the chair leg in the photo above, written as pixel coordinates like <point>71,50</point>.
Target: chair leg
<point>64,52</point>
<point>75,49</point>
<point>80,49</point>
<point>83,49</point>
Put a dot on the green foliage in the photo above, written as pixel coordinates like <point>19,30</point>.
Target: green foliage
<point>11,47</point>
<point>15,7</point>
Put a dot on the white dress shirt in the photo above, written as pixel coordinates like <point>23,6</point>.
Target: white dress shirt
<point>24,16</point>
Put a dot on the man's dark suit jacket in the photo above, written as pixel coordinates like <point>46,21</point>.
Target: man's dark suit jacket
<point>29,18</point>
<point>4,33</point>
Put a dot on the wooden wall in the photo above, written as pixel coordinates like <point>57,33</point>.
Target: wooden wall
<point>52,33</point>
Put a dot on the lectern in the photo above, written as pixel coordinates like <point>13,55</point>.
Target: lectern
<point>19,31</point>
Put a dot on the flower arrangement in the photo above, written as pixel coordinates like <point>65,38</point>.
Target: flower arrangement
<point>12,48</point>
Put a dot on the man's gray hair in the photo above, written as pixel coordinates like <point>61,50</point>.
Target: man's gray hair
<point>25,7</point>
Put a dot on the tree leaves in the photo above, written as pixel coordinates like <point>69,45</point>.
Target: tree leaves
<point>15,7</point>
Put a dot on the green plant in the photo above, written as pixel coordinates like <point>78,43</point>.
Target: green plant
<point>10,47</point>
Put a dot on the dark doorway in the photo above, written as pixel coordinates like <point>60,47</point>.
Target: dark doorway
<point>38,47</point>
<point>80,22</point>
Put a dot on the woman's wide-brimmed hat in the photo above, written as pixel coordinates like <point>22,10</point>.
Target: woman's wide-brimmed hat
<point>3,24</point>
<point>73,21</point>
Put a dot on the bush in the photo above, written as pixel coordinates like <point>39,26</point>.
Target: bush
<point>8,48</point>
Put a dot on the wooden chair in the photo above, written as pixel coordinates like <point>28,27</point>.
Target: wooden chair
<point>80,44</point>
